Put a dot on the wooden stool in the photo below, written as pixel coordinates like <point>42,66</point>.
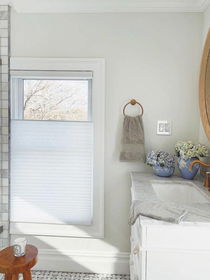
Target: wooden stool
<point>11,266</point>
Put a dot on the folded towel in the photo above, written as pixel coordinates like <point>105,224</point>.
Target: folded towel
<point>168,212</point>
<point>132,139</point>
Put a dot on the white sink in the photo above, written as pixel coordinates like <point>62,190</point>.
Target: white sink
<point>182,193</point>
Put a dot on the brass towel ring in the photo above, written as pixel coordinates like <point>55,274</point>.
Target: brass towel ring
<point>133,102</point>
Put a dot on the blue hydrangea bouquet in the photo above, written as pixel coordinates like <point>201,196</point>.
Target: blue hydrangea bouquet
<point>163,163</point>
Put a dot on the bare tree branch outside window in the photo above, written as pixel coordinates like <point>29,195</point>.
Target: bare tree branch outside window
<point>56,100</point>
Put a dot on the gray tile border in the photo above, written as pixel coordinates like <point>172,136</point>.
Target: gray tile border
<point>5,189</point>
<point>4,8</point>
<point>4,173</point>
<point>4,85</point>
<point>5,112</point>
<point>4,32</point>
<point>4,59</point>
<point>4,139</point>
<point>4,69</point>
<point>4,125</point>
<point>5,207</point>
<point>4,42</point>
<point>5,96</point>
<point>5,121</point>
<point>4,24</point>
<point>4,104</point>
<point>3,14</point>
<point>5,77</point>
<point>4,130</point>
<point>5,224</point>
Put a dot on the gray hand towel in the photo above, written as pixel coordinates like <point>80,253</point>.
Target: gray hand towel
<point>168,212</point>
<point>132,139</point>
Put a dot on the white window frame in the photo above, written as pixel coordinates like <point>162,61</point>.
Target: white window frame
<point>97,66</point>
<point>17,84</point>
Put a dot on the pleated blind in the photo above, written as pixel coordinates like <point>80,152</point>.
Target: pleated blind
<point>51,172</point>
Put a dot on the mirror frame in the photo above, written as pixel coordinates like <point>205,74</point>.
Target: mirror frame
<point>202,87</point>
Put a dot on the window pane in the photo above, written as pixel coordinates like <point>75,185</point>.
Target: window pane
<point>56,100</point>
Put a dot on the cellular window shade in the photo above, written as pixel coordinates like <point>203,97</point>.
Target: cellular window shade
<point>87,75</point>
<point>51,172</point>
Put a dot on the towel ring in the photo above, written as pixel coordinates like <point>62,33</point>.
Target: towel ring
<point>133,102</point>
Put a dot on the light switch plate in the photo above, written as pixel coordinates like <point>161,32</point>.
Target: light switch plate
<point>163,128</point>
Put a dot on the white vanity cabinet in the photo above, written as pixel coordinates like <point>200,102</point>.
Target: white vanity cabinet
<point>138,256</point>
<point>166,251</point>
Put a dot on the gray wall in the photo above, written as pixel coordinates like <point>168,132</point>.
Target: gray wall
<point>153,57</point>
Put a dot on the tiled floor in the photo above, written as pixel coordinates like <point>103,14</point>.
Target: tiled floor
<point>54,275</point>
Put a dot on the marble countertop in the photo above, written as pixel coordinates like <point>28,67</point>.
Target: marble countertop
<point>137,178</point>
<point>141,189</point>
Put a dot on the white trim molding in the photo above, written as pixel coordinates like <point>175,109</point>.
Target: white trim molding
<point>82,261</point>
<point>106,6</point>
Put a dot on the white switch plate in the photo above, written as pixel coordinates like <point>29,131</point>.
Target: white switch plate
<point>163,128</point>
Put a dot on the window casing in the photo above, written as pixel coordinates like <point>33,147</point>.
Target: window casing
<point>53,69</point>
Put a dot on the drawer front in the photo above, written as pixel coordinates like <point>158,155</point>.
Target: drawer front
<point>178,237</point>
<point>178,265</point>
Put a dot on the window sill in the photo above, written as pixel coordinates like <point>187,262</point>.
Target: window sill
<point>92,231</point>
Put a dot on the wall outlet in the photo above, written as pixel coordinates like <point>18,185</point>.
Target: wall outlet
<point>163,128</point>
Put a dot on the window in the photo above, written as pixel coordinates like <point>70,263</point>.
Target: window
<point>56,148</point>
<point>64,100</point>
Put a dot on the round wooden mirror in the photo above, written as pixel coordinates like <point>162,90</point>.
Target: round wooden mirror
<point>204,96</point>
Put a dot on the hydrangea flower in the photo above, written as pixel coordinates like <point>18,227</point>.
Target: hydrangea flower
<point>160,158</point>
<point>187,149</point>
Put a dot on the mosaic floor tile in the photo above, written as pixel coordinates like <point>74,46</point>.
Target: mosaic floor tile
<point>56,275</point>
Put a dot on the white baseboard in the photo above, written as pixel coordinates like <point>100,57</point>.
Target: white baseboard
<point>79,261</point>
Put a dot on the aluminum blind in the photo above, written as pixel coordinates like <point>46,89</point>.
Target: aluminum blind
<point>51,172</point>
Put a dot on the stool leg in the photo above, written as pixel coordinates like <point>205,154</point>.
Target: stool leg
<point>15,277</point>
<point>8,277</point>
<point>27,275</point>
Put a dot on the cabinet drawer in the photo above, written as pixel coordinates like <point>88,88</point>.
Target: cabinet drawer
<point>178,237</point>
<point>178,265</point>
